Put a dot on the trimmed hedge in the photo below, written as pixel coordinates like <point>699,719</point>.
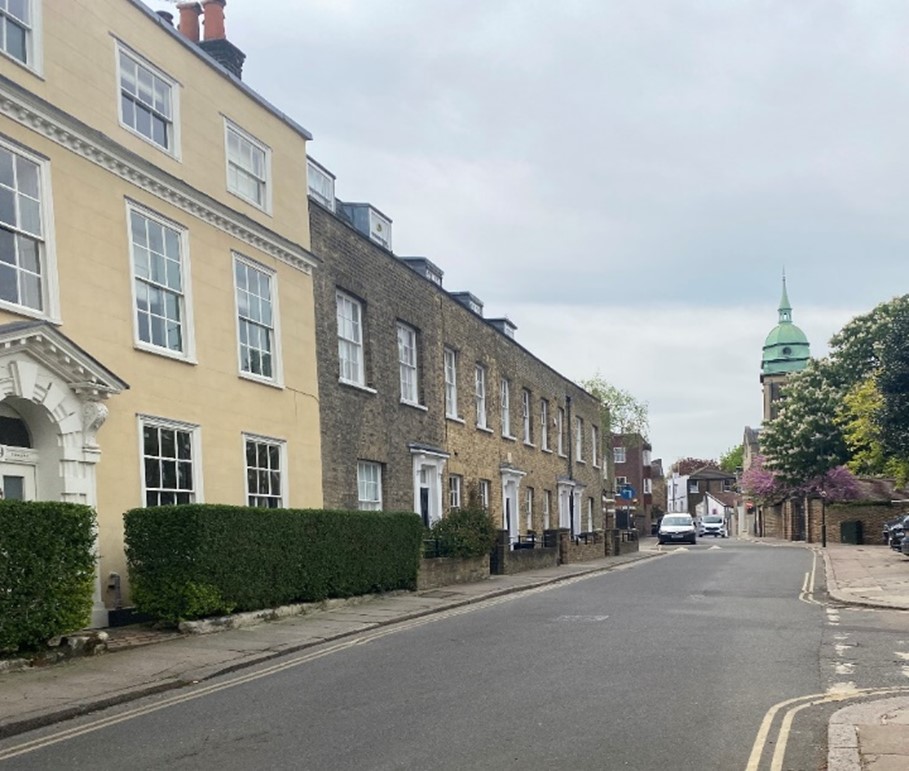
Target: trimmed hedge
<point>47,570</point>
<point>465,532</point>
<point>206,559</point>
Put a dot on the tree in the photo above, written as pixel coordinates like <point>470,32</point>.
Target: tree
<point>622,412</point>
<point>732,459</point>
<point>893,386</point>
<point>685,466</point>
<point>857,417</point>
<point>760,482</point>
<point>804,441</point>
<point>764,484</point>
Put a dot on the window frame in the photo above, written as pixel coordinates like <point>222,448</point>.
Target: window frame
<point>195,436</point>
<point>276,379</point>
<point>594,446</point>
<point>455,491</point>
<point>50,284</point>
<point>483,489</point>
<point>344,297</point>
<point>547,509</point>
<point>505,404</point>
<point>34,40</point>
<point>188,353</point>
<point>544,425</point>
<point>480,396</point>
<point>258,144</point>
<point>528,504</point>
<point>281,444</point>
<point>619,455</point>
<point>369,504</point>
<point>560,425</point>
<point>526,416</point>
<point>579,439</point>
<point>450,377</point>
<point>121,49</point>
<point>412,366</point>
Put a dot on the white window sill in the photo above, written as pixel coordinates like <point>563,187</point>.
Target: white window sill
<point>27,67</point>
<point>531,445</point>
<point>249,201</point>
<point>357,386</point>
<point>581,460</point>
<point>484,429</point>
<point>166,353</point>
<point>509,438</point>
<point>546,449</point>
<point>455,419</point>
<point>415,405</point>
<point>172,154</point>
<point>563,455</point>
<point>253,378</point>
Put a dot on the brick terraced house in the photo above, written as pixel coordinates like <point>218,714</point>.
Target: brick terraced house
<point>425,402</point>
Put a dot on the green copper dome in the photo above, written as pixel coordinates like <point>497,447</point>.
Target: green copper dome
<point>786,347</point>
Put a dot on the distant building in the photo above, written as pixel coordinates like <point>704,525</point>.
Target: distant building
<point>633,481</point>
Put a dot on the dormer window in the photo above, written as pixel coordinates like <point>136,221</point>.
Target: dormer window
<point>320,184</point>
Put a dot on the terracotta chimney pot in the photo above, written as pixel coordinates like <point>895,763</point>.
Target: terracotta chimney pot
<point>214,19</point>
<point>189,20</point>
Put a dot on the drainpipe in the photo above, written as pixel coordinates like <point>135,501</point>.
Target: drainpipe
<point>570,465</point>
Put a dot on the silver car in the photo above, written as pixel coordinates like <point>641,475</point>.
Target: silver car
<point>677,528</point>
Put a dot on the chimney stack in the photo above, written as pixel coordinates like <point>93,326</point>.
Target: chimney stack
<point>216,43</point>
<point>189,20</point>
<point>214,19</point>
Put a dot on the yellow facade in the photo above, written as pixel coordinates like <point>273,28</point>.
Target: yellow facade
<point>63,114</point>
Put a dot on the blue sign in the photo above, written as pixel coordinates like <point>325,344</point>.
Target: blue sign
<point>626,492</point>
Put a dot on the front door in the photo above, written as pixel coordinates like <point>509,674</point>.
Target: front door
<point>17,482</point>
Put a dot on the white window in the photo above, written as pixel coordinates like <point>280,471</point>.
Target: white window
<point>506,408</point>
<point>454,491</point>
<point>257,319</point>
<point>525,416</point>
<point>547,508</point>
<point>620,482</point>
<point>484,493</point>
<point>350,340</point>
<point>407,361</point>
<point>248,167</point>
<point>693,487</point>
<point>480,392</point>
<point>618,454</point>
<point>321,184</point>
<point>646,458</point>
<point>159,282</point>
<point>25,259</point>
<point>169,462</point>
<point>17,30</point>
<point>579,439</point>
<point>369,486</point>
<point>529,504</point>
<point>147,101</point>
<point>560,428</point>
<point>595,446</point>
<point>451,383</point>
<point>589,514</point>
<point>544,424</point>
<point>648,486</point>
<point>265,477</point>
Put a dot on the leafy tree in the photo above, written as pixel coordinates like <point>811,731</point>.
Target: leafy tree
<point>893,386</point>
<point>857,417</point>
<point>733,458</point>
<point>760,482</point>
<point>622,412</point>
<point>685,466</point>
<point>804,440</point>
<point>764,484</point>
<point>856,350</point>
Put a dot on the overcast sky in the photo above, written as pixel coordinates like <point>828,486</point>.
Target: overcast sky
<point>625,180</point>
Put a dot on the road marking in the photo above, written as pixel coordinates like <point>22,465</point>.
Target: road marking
<point>845,668</point>
<point>796,705</point>
<point>807,593</point>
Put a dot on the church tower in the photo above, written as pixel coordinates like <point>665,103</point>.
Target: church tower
<point>785,351</point>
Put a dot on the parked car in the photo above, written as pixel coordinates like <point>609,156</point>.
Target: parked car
<point>897,530</point>
<point>677,527</point>
<point>714,525</point>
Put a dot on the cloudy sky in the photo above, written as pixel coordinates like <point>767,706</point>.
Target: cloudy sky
<point>625,180</point>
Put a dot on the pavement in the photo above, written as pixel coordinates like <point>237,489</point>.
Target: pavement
<point>139,661</point>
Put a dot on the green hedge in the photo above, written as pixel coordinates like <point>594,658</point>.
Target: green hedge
<point>47,570</point>
<point>200,560</point>
<point>467,532</point>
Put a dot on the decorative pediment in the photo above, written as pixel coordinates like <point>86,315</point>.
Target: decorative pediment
<point>44,343</point>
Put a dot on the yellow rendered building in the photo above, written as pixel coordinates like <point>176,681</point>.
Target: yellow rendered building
<point>157,339</point>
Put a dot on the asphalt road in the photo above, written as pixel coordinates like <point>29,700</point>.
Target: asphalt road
<point>672,663</point>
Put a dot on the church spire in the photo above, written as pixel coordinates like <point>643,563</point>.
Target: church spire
<point>785,307</point>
